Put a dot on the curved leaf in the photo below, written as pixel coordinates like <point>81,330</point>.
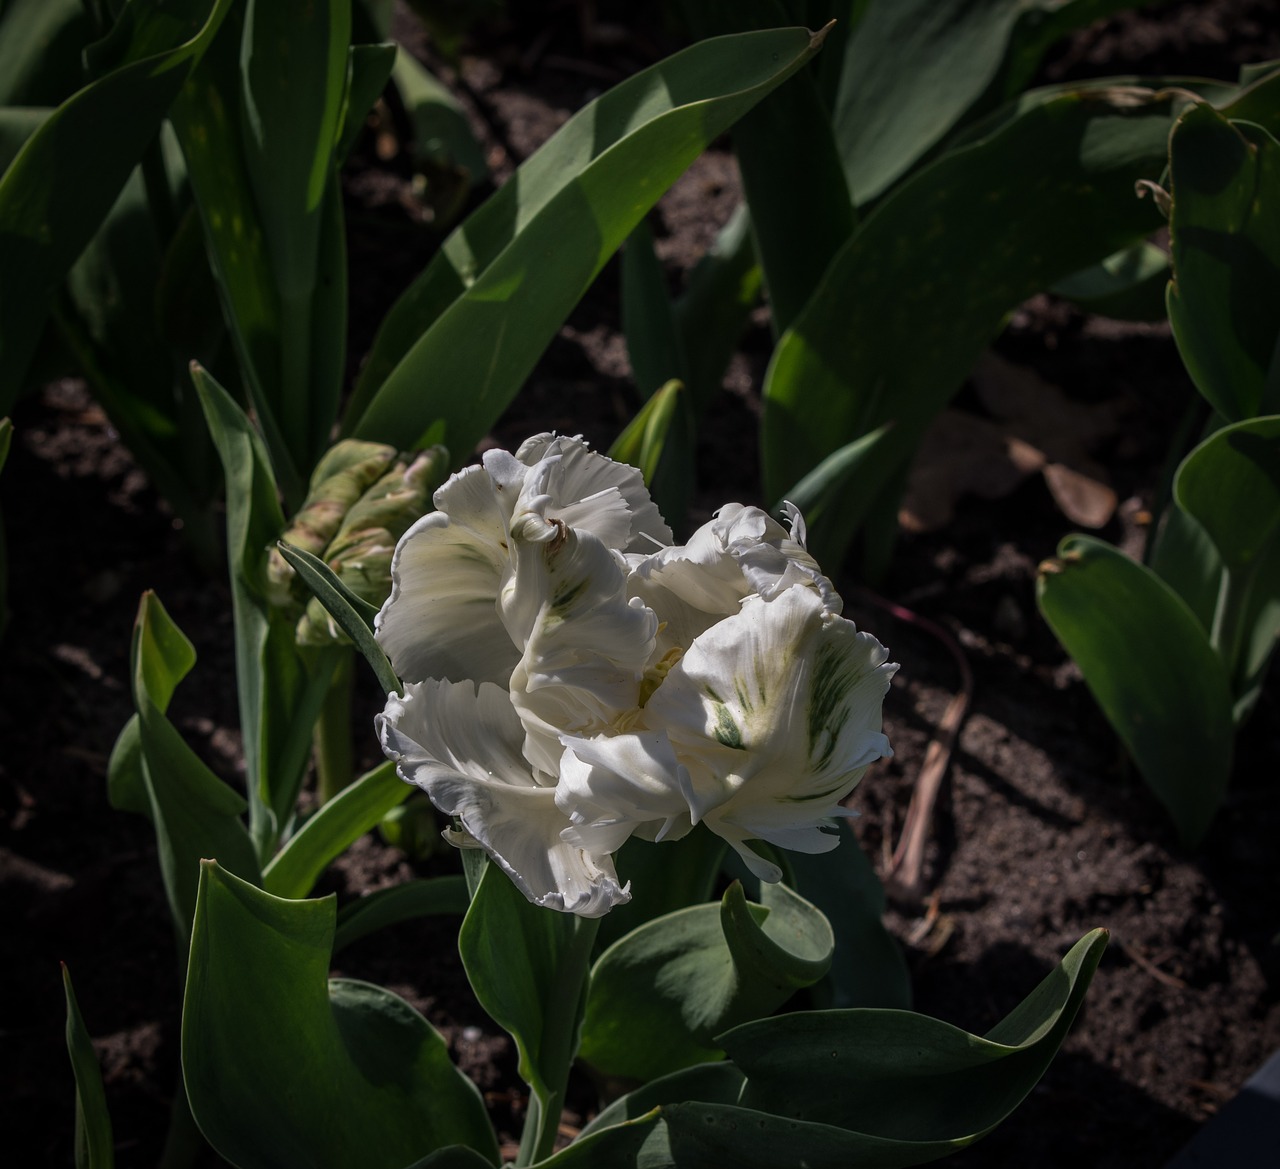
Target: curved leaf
<point>659,995</point>
<point>70,171</point>
<point>876,1089</point>
<point>1231,484</point>
<point>283,1067</point>
<point>94,1146</point>
<point>410,899</point>
<point>512,272</point>
<point>337,824</point>
<point>1224,234</point>
<point>924,283</point>
<point>1148,662</point>
<point>195,813</point>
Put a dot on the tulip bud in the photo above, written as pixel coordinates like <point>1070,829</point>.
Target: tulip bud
<point>342,476</point>
<point>360,551</point>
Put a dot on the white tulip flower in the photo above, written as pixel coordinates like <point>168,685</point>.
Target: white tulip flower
<point>572,678</point>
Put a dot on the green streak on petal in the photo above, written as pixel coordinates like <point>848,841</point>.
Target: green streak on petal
<point>727,731</point>
<point>832,681</point>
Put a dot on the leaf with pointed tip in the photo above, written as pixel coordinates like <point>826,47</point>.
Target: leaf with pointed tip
<point>94,1146</point>
<point>659,440</point>
<point>195,813</point>
<point>658,996</point>
<point>516,267</point>
<point>353,614</point>
<point>1128,285</point>
<point>1148,662</point>
<point>285,1067</point>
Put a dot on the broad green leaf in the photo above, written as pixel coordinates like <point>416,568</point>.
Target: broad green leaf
<point>517,956</point>
<point>452,1157</point>
<point>875,1089</point>
<point>513,271</point>
<point>1127,286</point>
<point>659,995</point>
<point>867,966</point>
<point>69,172</point>
<point>284,1067</point>
<point>353,614</point>
<point>332,829</point>
<point>1149,664</point>
<point>40,45</point>
<point>791,168</point>
<point>715,307</point>
<point>832,497</point>
<point>924,283</point>
<point>1224,231</point>
<point>95,1148</point>
<point>719,1082</point>
<point>422,897</point>
<point>1259,623</point>
<point>126,787</point>
<point>915,69</point>
<point>1186,560</point>
<point>1231,484</point>
<point>195,814</point>
<point>293,90</point>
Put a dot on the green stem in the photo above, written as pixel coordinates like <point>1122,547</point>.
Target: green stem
<point>559,1044</point>
<point>332,739</point>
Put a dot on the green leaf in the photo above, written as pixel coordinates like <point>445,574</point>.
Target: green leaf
<point>16,126</point>
<point>659,995</point>
<point>195,813</point>
<point>285,1068</point>
<point>1224,231</point>
<point>69,172</point>
<point>513,271</point>
<point>293,90</point>
<point>254,524</point>
<point>705,1082</point>
<point>369,68</point>
<point>421,897</point>
<point>791,168</point>
<point>867,966</point>
<point>40,44</point>
<point>353,614</point>
<point>1149,664</point>
<point>832,497</point>
<point>340,822</point>
<point>514,953</point>
<point>1231,484</point>
<point>909,303</point>
<point>659,440</point>
<point>95,1148</point>
<point>663,877</point>
<point>715,307</point>
<point>876,1089</point>
<point>1127,286</point>
<point>653,346</point>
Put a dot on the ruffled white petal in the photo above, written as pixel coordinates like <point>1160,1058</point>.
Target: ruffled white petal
<point>441,619</point>
<point>776,714</point>
<point>586,644</point>
<point>594,493</point>
<point>462,746</point>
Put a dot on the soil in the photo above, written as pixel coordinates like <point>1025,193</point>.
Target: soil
<point>1043,830</point>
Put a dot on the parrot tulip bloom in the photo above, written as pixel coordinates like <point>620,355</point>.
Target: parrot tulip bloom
<point>572,678</point>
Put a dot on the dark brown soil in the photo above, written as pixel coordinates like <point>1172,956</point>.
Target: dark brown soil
<point>1043,831</point>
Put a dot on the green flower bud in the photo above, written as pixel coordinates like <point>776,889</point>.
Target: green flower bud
<point>361,549</point>
<point>342,476</point>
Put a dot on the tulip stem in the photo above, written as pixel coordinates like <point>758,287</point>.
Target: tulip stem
<point>331,741</point>
<point>560,1035</point>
